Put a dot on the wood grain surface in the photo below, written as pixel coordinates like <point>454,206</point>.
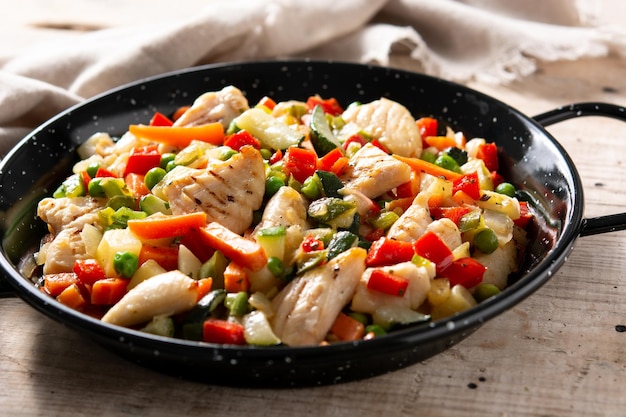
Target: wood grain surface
<point>558,353</point>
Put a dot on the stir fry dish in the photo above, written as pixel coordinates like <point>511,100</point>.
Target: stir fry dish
<point>296,223</point>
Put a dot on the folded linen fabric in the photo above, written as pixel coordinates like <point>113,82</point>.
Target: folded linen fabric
<point>461,40</point>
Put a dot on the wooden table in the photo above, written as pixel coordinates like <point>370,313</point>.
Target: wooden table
<point>557,353</point>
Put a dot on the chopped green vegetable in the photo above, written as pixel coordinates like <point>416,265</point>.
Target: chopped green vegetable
<point>322,137</point>
<point>125,264</point>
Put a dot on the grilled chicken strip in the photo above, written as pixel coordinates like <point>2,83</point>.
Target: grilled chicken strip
<point>372,172</point>
<point>307,307</point>
<point>227,191</point>
<point>389,122</point>
<point>215,106</point>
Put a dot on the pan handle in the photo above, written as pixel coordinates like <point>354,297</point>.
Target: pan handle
<point>594,225</point>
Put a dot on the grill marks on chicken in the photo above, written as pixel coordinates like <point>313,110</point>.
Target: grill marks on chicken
<point>227,191</point>
<point>215,106</point>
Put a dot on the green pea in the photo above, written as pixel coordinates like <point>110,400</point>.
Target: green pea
<point>506,188</point>
<point>486,241</point>
<point>486,290</point>
<point>166,158</point>
<point>125,264</point>
<point>375,329</point>
<point>276,266</point>
<point>266,153</point>
<point>429,157</point>
<point>272,185</point>
<point>311,188</point>
<point>170,165</point>
<point>447,162</point>
<point>153,176</point>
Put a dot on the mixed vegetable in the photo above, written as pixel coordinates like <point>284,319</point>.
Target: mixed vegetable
<point>294,223</point>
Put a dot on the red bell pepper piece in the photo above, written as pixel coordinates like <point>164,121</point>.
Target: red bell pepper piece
<point>311,244</point>
<point>488,152</point>
<point>223,332</point>
<point>300,162</point>
<point>267,102</point>
<point>427,126</point>
<point>108,291</point>
<point>103,173</point>
<point>88,271</point>
<point>431,247</point>
<point>330,105</point>
<point>142,159</point>
<point>525,215</point>
<point>241,138</point>
<point>387,283</point>
<point>379,145</point>
<point>452,213</point>
<point>354,139</point>
<point>467,272</point>
<point>387,251</point>
<point>468,183</point>
<point>159,119</point>
<point>325,163</point>
<point>410,188</point>
<point>277,156</point>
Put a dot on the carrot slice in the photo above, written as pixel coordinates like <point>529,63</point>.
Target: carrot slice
<point>158,227</point>
<point>347,328</point>
<point>429,168</point>
<point>245,252</point>
<point>235,278</point>
<point>180,137</point>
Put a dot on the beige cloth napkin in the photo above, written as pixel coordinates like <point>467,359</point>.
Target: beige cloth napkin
<point>461,40</point>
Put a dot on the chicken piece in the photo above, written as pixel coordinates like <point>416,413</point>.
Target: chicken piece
<point>413,222</point>
<point>419,277</point>
<point>372,172</point>
<point>61,213</point>
<point>286,208</point>
<point>215,106</point>
<point>165,294</point>
<point>500,264</point>
<point>389,122</point>
<point>447,231</point>
<point>61,253</point>
<point>307,307</point>
<point>227,191</point>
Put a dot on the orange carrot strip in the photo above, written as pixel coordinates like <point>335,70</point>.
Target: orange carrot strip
<point>54,284</point>
<point>180,137</point>
<point>245,252</point>
<point>235,278</point>
<point>204,287</point>
<point>440,142</point>
<point>158,227</point>
<point>347,328</point>
<point>72,297</point>
<point>429,168</point>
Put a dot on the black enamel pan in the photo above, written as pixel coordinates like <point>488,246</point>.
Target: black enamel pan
<point>534,162</point>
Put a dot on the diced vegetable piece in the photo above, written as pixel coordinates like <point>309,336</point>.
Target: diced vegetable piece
<point>420,165</point>
<point>152,204</point>
<point>428,126</point>
<point>223,332</point>
<point>332,211</point>
<point>322,137</point>
<point>159,119</point>
<point>108,291</point>
<point>160,326</point>
<point>439,291</point>
<point>146,270</point>
<point>387,283</point>
<point>491,200</point>
<point>270,131</point>
<point>387,251</point>
<point>236,278</point>
<point>188,263</point>
<point>237,303</point>
<point>114,241</point>
<point>431,247</point>
<point>205,306</point>
<point>347,329</point>
<point>240,139</point>
<point>142,159</point>
<point>272,239</point>
<point>243,251</point>
<point>180,137</point>
<point>328,105</point>
<point>88,271</point>
<point>467,272</point>
<point>331,184</point>
<point>257,330</point>
<point>72,297</point>
<point>301,163</point>
<point>54,284</point>
<point>460,299</point>
<point>468,183</point>
<point>488,152</point>
<point>158,227</point>
<point>389,316</point>
<point>341,242</point>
